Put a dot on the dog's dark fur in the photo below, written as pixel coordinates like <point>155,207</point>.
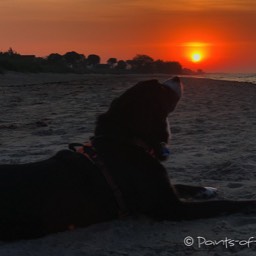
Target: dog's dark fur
<point>68,190</point>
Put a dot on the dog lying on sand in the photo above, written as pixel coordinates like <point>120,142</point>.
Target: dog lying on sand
<point>119,173</point>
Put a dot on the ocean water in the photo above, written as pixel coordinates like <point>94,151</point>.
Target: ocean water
<point>240,77</point>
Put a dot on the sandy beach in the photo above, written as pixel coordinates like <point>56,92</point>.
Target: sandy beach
<point>213,144</point>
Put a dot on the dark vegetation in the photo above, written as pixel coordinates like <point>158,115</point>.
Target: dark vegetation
<point>74,62</point>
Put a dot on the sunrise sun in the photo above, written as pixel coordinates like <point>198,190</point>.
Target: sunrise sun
<point>196,56</point>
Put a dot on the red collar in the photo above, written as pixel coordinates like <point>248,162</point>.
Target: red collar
<point>163,150</point>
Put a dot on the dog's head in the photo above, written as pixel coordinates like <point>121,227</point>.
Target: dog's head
<point>141,112</point>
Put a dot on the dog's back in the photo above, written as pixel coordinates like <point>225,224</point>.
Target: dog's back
<point>51,195</point>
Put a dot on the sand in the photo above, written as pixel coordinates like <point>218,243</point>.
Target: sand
<point>213,143</point>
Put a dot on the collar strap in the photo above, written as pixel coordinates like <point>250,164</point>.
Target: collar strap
<point>90,153</point>
<point>164,151</point>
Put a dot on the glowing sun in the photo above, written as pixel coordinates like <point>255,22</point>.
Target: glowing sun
<point>196,56</point>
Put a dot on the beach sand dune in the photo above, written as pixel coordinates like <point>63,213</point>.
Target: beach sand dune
<point>213,143</point>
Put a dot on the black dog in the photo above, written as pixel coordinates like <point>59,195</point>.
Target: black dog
<point>119,174</point>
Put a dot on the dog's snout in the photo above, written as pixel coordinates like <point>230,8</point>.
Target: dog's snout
<point>175,85</point>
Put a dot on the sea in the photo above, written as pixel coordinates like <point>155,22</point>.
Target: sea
<point>239,77</point>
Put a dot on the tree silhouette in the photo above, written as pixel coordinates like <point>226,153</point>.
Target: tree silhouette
<point>173,67</point>
<point>167,67</point>
<point>11,52</point>
<point>142,59</point>
<point>55,62</point>
<point>73,58</point>
<point>93,60</point>
<point>76,62</point>
<point>55,58</point>
<point>111,62</point>
<point>142,63</point>
<point>121,65</point>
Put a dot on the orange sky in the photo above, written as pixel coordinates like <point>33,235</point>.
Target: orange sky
<point>223,30</point>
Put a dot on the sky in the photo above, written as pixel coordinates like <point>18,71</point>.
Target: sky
<point>221,31</point>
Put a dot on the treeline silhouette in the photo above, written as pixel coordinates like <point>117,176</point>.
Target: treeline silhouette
<point>74,62</point>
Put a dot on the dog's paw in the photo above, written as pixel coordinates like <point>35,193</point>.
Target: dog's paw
<point>207,193</point>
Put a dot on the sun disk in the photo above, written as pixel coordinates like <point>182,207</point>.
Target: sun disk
<point>196,57</point>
